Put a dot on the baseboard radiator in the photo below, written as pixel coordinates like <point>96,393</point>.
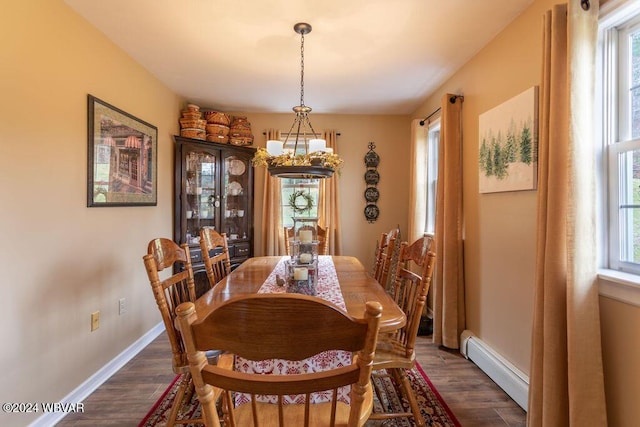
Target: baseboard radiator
<point>513,381</point>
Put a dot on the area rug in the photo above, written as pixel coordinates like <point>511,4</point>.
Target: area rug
<point>434,409</point>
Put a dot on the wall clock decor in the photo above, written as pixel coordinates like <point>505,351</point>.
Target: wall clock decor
<point>371,178</point>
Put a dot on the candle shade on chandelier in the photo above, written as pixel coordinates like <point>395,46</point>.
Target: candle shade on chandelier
<point>309,157</point>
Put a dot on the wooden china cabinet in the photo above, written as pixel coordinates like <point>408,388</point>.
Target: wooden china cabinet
<point>213,189</point>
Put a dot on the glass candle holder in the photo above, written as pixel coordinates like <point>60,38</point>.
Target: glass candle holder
<point>302,278</point>
<point>304,253</point>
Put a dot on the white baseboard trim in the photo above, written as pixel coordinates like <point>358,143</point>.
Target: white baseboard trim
<point>512,380</point>
<point>103,374</point>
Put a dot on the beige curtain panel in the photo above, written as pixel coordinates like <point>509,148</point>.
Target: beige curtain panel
<point>329,204</point>
<point>448,286</point>
<point>272,235</point>
<point>566,380</point>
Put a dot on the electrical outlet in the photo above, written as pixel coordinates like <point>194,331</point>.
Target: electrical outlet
<point>95,320</point>
<point>121,307</point>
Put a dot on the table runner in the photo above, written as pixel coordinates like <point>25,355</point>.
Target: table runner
<point>327,288</point>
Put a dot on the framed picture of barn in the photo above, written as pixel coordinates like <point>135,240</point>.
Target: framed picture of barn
<point>122,157</point>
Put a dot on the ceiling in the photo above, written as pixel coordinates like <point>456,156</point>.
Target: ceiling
<point>362,56</point>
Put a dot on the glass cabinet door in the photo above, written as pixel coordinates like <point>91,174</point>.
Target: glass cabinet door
<point>236,207</point>
<point>202,193</point>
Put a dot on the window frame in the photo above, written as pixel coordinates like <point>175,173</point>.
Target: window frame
<point>619,279</point>
<point>616,136</point>
<point>431,174</point>
<point>310,184</point>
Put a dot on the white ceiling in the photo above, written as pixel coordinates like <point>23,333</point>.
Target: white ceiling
<point>362,56</point>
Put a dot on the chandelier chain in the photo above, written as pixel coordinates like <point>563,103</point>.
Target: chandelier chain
<point>302,68</point>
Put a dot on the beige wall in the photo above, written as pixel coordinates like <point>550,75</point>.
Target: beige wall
<point>61,260</point>
<point>499,228</point>
<point>620,325</point>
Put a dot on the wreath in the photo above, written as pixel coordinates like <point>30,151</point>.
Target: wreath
<point>301,207</point>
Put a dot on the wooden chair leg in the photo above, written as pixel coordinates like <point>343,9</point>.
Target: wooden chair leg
<point>395,374</point>
<point>411,396</point>
<point>177,401</point>
<point>189,391</point>
<point>185,391</point>
<point>387,373</point>
<point>400,377</point>
<point>376,388</point>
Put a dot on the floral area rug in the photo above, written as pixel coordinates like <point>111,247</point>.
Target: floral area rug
<point>434,409</point>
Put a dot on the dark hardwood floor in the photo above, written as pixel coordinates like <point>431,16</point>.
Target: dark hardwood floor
<point>471,395</point>
<point>127,396</point>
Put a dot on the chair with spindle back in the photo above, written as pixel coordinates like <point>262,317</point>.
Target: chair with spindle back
<point>395,352</point>
<point>323,238</point>
<point>387,257</point>
<point>215,254</point>
<point>169,293</point>
<point>282,326</point>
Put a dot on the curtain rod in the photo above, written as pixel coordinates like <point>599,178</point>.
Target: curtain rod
<point>429,116</point>
<point>452,100</point>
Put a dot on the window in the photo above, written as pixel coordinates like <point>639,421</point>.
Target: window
<point>302,190</point>
<point>293,187</point>
<point>621,130</point>
<point>433,140</point>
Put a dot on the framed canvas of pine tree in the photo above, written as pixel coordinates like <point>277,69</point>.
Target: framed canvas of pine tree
<point>508,133</point>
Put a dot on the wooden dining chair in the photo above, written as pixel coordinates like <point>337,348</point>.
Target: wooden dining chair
<point>323,241</point>
<point>395,352</point>
<point>215,254</point>
<point>288,237</point>
<point>387,257</point>
<point>322,235</point>
<point>169,293</point>
<point>282,326</point>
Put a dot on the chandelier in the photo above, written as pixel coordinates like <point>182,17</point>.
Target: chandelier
<point>309,157</point>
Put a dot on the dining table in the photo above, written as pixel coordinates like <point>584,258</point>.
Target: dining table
<point>356,285</point>
<point>342,280</point>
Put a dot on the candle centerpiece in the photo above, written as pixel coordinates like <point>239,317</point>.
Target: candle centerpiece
<point>302,279</point>
<point>303,266</point>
